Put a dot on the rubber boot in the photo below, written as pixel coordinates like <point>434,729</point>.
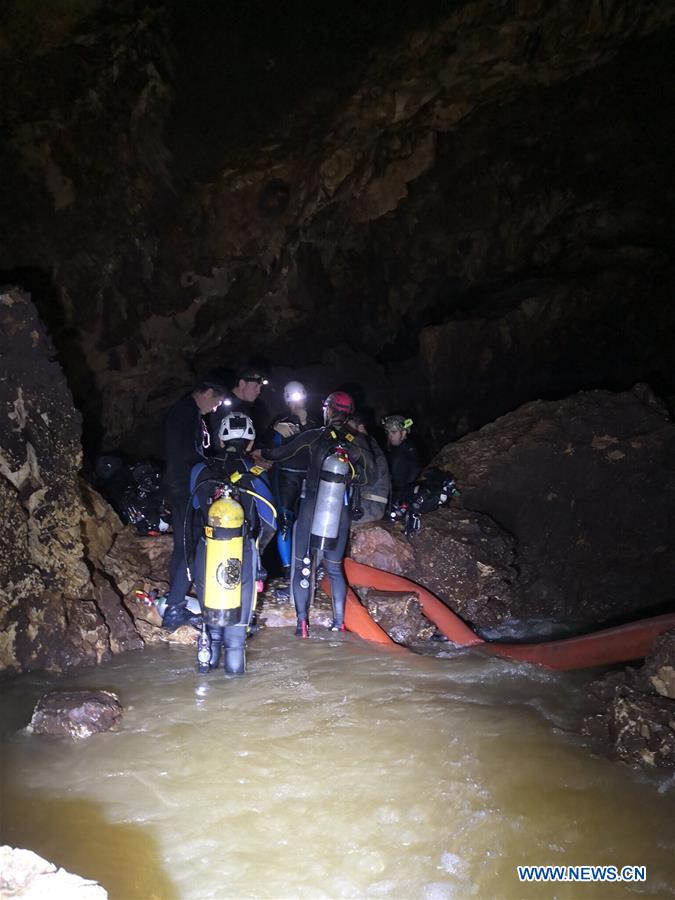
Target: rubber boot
<point>302,629</point>
<point>235,660</point>
<point>216,644</point>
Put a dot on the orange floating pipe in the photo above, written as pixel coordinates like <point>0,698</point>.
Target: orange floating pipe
<point>621,643</point>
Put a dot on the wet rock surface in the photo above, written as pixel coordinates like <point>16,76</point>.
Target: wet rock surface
<point>635,720</point>
<point>274,612</point>
<point>399,614</point>
<point>25,874</point>
<point>76,714</point>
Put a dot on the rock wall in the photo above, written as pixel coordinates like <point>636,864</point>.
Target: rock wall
<point>482,209</point>
<point>49,614</point>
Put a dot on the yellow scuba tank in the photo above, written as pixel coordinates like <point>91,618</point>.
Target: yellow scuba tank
<point>224,536</point>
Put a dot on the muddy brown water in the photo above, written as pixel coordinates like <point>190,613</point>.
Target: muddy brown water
<point>335,768</point>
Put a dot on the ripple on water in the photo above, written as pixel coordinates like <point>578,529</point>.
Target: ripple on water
<point>334,769</point>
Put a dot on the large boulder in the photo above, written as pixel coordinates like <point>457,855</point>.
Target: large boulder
<point>586,487</point>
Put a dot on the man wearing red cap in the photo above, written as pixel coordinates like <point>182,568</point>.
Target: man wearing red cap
<point>334,458</point>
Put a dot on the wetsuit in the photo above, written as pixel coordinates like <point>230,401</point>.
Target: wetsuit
<point>183,443</point>
<point>287,479</point>
<point>308,450</point>
<point>404,466</point>
<point>260,524</point>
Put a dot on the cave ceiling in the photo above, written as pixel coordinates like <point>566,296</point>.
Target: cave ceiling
<point>459,206</point>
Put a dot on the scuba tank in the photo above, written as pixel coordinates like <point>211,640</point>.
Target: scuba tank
<point>224,536</point>
<point>330,498</point>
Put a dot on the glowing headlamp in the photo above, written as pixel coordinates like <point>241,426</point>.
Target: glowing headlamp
<point>296,397</point>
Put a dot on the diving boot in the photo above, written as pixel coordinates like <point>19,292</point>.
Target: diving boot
<point>235,660</point>
<point>302,629</point>
<point>215,653</point>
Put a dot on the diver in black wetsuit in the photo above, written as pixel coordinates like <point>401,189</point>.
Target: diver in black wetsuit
<point>310,450</point>
<point>233,467</point>
<point>185,436</point>
<point>248,385</point>
<point>287,477</point>
<point>404,463</point>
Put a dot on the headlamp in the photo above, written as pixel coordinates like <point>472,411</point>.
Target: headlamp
<point>296,397</point>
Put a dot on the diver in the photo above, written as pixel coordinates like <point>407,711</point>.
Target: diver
<point>185,438</point>
<point>335,460</point>
<point>287,477</point>
<point>235,500</point>
<point>248,385</point>
<point>404,464</point>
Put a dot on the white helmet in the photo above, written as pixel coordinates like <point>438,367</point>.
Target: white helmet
<point>294,392</point>
<point>236,426</point>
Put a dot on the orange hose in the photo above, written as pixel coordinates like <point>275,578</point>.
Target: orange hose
<point>622,643</point>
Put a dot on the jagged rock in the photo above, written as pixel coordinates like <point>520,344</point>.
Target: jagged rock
<point>468,562</point>
<point>142,563</point>
<point>400,615</point>
<point>24,874</point>
<point>383,546</point>
<point>100,525</point>
<point>636,711</point>
<point>461,556</point>
<point>660,665</point>
<point>47,618</point>
<point>585,486</point>
<point>123,633</point>
<point>641,728</point>
<point>76,714</point>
